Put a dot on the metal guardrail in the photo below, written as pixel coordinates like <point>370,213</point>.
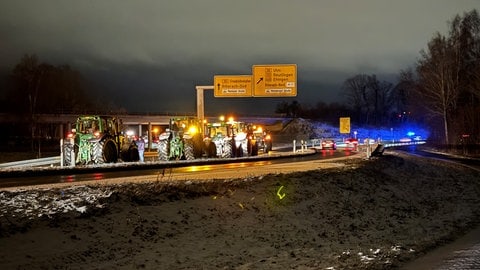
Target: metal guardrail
<point>152,155</point>
<point>404,143</point>
<point>32,162</point>
<point>315,142</point>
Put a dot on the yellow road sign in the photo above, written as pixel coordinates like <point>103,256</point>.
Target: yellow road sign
<point>344,124</point>
<point>275,80</point>
<point>232,85</point>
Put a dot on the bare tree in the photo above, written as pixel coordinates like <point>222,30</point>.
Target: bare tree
<point>447,75</point>
<point>379,98</point>
<point>28,77</point>
<point>356,92</point>
<point>400,94</point>
<point>43,88</point>
<point>465,35</point>
<point>368,98</point>
<point>438,79</point>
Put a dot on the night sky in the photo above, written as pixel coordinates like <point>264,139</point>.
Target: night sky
<point>147,56</point>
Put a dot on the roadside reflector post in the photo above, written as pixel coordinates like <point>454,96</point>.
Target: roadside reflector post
<point>368,148</point>
<point>61,153</point>
<point>294,146</point>
<point>73,159</point>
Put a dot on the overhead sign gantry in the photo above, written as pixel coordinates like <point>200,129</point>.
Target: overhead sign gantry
<point>265,81</point>
<point>232,85</point>
<point>274,80</point>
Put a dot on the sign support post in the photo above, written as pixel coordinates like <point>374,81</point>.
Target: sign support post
<point>200,101</point>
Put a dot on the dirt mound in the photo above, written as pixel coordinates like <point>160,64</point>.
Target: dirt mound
<point>297,129</point>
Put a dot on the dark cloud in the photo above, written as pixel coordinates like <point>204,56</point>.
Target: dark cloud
<point>149,55</point>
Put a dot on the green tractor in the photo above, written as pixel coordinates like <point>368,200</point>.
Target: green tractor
<point>96,140</point>
<point>182,140</point>
<point>231,139</point>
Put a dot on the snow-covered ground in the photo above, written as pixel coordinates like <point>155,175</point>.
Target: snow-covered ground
<point>36,203</point>
<point>360,214</point>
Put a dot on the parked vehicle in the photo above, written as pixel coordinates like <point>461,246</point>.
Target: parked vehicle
<point>231,139</point>
<point>351,143</point>
<point>329,144</point>
<point>98,139</point>
<point>261,138</point>
<point>182,140</point>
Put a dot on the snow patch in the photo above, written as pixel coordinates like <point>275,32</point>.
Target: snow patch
<point>41,202</point>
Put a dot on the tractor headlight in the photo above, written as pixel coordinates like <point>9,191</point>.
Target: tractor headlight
<point>192,130</point>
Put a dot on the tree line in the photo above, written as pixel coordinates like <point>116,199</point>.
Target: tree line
<point>441,90</point>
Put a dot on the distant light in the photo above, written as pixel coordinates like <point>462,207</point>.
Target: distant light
<point>410,133</point>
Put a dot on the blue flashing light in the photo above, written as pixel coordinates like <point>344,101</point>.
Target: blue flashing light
<point>410,133</point>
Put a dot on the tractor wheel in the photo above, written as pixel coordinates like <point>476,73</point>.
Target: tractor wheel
<point>98,152</point>
<point>105,151</point>
<point>163,149</point>
<point>67,155</point>
<point>211,150</point>
<point>228,150</point>
<point>268,147</point>
<point>133,153</point>
<point>240,151</point>
<point>254,149</point>
<point>188,150</point>
<point>198,146</point>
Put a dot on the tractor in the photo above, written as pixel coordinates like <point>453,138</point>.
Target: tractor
<point>98,139</point>
<point>182,140</point>
<point>230,139</point>
<point>262,139</point>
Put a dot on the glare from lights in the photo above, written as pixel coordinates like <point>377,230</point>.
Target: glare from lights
<point>192,130</point>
